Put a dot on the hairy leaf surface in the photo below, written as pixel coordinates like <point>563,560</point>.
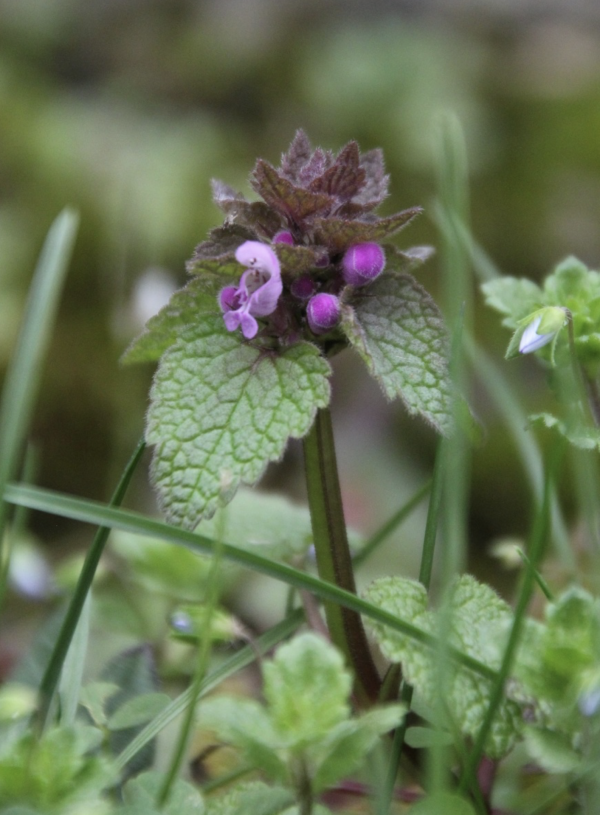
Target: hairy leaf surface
<point>221,409</point>
<point>398,331</point>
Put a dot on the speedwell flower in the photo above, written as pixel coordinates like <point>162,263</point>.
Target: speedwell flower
<point>542,329</point>
<point>259,290</point>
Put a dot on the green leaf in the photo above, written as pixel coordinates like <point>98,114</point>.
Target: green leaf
<point>141,792</point>
<point>155,565</point>
<point>251,798</point>
<point>586,438</point>
<point>93,698</point>
<point>221,409</point>
<point>134,672</point>
<point>479,622</point>
<point>306,687</point>
<point>348,743</point>
<point>399,332</point>
<point>557,658</point>
<point>138,710</point>
<point>265,523</point>
<point>551,750</point>
<point>246,724</point>
<point>55,770</point>
<point>187,306</point>
<point>16,701</point>
<point>513,297</point>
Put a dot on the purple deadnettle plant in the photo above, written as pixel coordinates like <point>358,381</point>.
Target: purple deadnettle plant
<point>304,272</point>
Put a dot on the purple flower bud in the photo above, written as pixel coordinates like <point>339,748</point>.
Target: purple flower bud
<point>323,313</point>
<point>303,287</point>
<point>284,237</point>
<point>362,263</point>
<point>228,298</point>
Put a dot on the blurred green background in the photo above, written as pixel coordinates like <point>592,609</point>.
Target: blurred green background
<point>127,108</point>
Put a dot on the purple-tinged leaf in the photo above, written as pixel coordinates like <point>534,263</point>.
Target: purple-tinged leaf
<point>345,178</point>
<point>294,202</point>
<point>338,234</point>
<point>223,240</point>
<point>295,260</point>
<point>297,156</point>
<point>376,183</point>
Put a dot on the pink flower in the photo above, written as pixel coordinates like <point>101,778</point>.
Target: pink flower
<point>259,290</point>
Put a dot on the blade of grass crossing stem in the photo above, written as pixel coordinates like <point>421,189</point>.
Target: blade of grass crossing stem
<point>25,370</point>
<point>204,650</point>
<point>245,657</point>
<point>84,583</point>
<point>96,513</point>
<point>397,519</point>
<point>535,551</point>
<point>334,562</point>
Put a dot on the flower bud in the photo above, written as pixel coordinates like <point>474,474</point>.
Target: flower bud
<point>323,313</point>
<point>284,237</point>
<point>362,263</point>
<point>542,329</point>
<point>303,287</point>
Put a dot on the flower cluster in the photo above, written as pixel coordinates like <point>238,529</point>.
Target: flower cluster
<point>308,248</point>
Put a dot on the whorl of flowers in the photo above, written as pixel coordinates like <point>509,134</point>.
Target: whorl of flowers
<point>313,233</point>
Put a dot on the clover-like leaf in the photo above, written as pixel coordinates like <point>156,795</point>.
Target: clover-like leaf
<point>340,233</point>
<point>513,297</point>
<point>221,410</point>
<point>399,332</point>
<point>477,627</point>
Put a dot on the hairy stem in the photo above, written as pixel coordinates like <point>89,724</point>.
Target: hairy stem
<point>333,554</point>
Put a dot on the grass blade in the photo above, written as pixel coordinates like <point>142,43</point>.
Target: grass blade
<point>24,373</point>
<point>96,513</point>
<point>86,577</point>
